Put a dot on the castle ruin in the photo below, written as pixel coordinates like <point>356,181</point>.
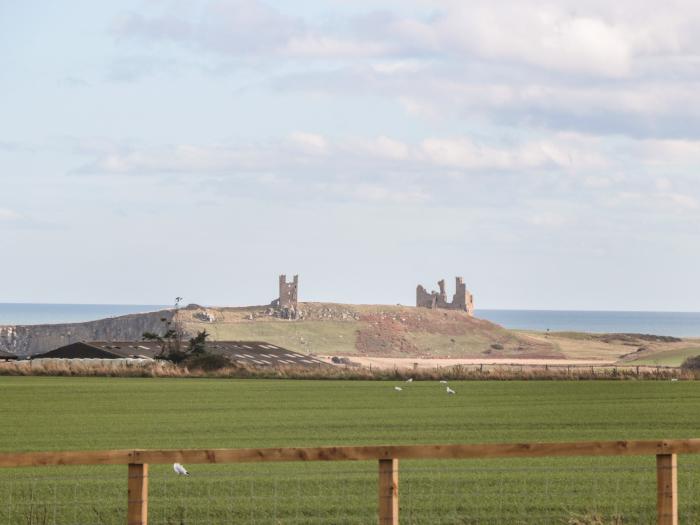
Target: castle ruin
<point>461,300</point>
<point>286,302</point>
<point>288,292</point>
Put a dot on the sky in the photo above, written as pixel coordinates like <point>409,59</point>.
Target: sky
<point>546,151</point>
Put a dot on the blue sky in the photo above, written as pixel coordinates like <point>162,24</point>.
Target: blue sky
<point>547,151</point>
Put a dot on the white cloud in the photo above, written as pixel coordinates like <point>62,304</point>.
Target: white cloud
<point>547,219</point>
<point>672,151</point>
<point>465,153</point>
<point>381,147</point>
<point>314,151</point>
<point>543,36</point>
<point>417,107</point>
<point>568,36</point>
<point>232,27</point>
<point>597,181</point>
<point>654,202</point>
<point>310,142</point>
<point>663,184</point>
<point>317,46</point>
<point>398,66</point>
<point>9,215</point>
<point>384,194</point>
<point>682,201</point>
<point>181,158</point>
<point>603,67</point>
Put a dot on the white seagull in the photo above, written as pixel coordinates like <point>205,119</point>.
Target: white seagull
<point>180,470</point>
<point>409,380</point>
<point>450,391</point>
<point>443,382</point>
<point>398,388</point>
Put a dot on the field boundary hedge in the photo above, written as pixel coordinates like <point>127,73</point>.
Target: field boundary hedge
<point>342,372</point>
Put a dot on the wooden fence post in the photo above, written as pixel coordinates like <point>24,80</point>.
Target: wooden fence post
<point>388,492</point>
<point>137,510</point>
<point>666,489</point>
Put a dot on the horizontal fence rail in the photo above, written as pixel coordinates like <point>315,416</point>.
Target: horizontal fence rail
<point>388,463</point>
<point>352,453</point>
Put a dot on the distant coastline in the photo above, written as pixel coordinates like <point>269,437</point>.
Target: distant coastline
<point>679,324</point>
<point>54,313</point>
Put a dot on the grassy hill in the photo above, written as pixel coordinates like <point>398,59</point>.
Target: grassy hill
<point>403,331</point>
<point>628,349</point>
<point>368,330</point>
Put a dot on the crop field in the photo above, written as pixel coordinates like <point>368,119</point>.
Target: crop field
<point>45,413</point>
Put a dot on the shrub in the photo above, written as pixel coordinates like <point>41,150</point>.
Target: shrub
<point>691,363</point>
<point>175,356</point>
<point>208,362</point>
<point>197,344</point>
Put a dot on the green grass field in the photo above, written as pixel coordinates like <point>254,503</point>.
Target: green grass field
<point>104,413</point>
<point>330,337</point>
<point>668,358</point>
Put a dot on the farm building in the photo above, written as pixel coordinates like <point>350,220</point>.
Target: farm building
<point>251,353</point>
<point>4,356</point>
<point>259,353</point>
<point>103,350</point>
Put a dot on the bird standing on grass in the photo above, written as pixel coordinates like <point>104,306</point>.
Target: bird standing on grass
<point>443,382</point>
<point>180,470</point>
<point>409,380</point>
<point>398,388</point>
<point>450,391</point>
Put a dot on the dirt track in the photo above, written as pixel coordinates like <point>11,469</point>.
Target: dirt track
<point>403,363</point>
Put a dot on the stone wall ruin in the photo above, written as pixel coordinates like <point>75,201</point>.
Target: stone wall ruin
<point>288,292</point>
<point>287,302</point>
<point>461,300</point>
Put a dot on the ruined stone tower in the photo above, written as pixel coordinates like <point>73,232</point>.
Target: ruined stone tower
<point>288,292</point>
<point>461,300</point>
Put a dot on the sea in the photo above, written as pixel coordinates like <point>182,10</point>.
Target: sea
<point>34,313</point>
<point>679,324</point>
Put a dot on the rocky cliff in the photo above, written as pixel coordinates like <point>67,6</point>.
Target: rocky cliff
<point>35,339</point>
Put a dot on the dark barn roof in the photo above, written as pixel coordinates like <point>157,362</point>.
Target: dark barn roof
<point>260,353</point>
<point>251,353</point>
<point>148,349</point>
<point>102,350</point>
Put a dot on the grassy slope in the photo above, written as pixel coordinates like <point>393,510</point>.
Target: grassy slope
<point>398,331</point>
<point>580,346</point>
<point>90,413</point>
<point>319,337</point>
<point>673,357</point>
<point>590,346</point>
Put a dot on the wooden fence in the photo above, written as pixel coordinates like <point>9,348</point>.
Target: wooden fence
<point>387,456</point>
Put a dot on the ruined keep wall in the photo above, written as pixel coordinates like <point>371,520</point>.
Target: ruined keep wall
<point>461,300</point>
<point>425,299</point>
<point>288,292</point>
